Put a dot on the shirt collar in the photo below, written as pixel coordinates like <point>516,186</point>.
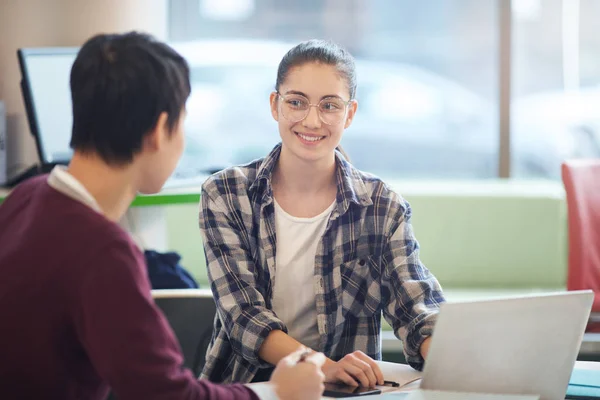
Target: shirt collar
<point>351,186</point>
<point>62,181</point>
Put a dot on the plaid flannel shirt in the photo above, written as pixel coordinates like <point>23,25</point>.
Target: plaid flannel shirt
<point>367,264</point>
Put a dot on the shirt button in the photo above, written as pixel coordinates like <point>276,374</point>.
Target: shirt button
<point>362,262</point>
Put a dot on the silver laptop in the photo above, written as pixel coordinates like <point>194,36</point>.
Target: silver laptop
<point>519,345</point>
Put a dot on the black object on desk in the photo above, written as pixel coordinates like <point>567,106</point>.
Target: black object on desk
<point>339,390</point>
<point>34,170</point>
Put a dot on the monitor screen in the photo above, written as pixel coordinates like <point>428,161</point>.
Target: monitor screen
<point>46,88</point>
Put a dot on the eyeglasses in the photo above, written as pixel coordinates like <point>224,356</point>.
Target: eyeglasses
<point>331,110</point>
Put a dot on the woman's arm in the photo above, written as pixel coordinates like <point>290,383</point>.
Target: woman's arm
<point>278,345</point>
<point>413,293</point>
<point>240,304</point>
<point>353,369</point>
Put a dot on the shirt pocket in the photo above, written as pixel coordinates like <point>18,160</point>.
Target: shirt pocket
<point>361,287</point>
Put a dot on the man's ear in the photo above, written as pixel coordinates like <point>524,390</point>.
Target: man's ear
<point>352,107</point>
<point>274,101</point>
<point>157,136</point>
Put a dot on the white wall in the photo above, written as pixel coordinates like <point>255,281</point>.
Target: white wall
<point>36,23</point>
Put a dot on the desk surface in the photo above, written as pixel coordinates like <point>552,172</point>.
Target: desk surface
<point>407,188</point>
<point>588,365</point>
<point>416,384</point>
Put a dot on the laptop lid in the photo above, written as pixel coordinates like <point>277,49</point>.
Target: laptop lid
<point>519,345</point>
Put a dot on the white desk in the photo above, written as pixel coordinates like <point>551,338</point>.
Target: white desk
<point>587,365</point>
<point>415,384</point>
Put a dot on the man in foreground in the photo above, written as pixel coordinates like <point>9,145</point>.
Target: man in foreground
<point>75,301</point>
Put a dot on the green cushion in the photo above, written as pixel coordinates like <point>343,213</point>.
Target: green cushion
<point>489,234</point>
<point>183,235</point>
<point>492,238</point>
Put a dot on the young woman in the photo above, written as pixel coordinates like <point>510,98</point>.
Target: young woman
<point>304,249</point>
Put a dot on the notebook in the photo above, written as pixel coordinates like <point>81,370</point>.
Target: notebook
<point>584,384</point>
<point>445,395</point>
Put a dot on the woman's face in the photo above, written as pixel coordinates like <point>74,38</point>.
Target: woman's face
<point>312,110</point>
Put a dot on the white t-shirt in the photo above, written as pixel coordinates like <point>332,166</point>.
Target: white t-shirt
<point>294,291</point>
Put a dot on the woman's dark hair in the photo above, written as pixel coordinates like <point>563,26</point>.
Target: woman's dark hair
<point>323,52</point>
<point>120,84</point>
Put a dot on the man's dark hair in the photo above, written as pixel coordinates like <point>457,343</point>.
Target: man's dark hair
<point>120,84</point>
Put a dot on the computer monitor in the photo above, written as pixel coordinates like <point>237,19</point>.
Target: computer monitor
<point>45,85</point>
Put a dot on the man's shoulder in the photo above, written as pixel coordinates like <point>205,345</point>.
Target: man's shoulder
<point>45,212</point>
<point>26,189</point>
<point>96,232</point>
<point>47,230</point>
<point>98,246</point>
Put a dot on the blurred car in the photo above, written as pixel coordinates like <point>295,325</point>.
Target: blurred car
<point>229,120</point>
<point>549,127</point>
<point>411,122</point>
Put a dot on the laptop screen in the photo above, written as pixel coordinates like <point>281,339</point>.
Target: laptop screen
<point>45,83</point>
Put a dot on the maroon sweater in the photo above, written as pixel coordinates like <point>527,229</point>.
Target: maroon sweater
<point>76,309</point>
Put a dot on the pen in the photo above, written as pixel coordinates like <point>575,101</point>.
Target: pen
<point>391,383</point>
<point>304,355</point>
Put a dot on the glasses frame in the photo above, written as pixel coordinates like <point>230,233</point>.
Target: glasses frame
<point>346,104</point>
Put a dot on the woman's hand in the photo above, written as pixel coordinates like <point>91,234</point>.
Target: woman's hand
<point>354,369</point>
<point>424,350</point>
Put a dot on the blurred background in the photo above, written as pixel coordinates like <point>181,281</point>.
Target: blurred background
<point>447,89</point>
<point>429,75</point>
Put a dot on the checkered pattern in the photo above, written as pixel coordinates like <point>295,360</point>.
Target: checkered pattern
<point>367,264</point>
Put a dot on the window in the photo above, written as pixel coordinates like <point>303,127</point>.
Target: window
<point>427,80</point>
<point>556,85</point>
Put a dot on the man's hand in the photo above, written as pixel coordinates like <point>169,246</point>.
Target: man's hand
<point>354,369</point>
<point>298,379</point>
